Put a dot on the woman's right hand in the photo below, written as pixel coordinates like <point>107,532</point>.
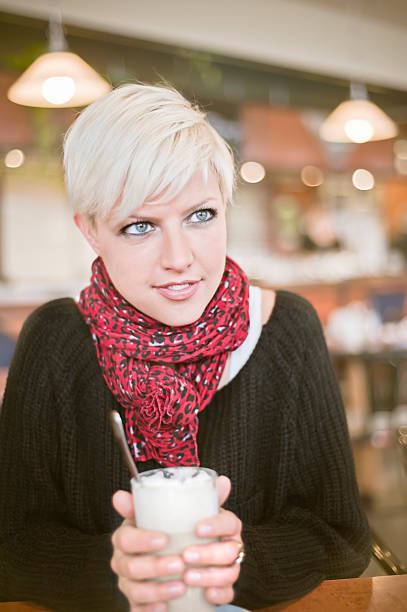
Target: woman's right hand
<point>135,562</point>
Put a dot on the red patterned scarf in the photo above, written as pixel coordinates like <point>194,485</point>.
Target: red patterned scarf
<point>162,401</point>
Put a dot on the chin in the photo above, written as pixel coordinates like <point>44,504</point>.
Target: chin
<point>183,314</point>
<point>179,320</point>
<point>178,314</point>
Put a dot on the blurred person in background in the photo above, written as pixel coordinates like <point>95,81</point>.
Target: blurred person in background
<point>203,368</point>
<point>7,345</point>
<point>399,242</point>
<point>10,325</point>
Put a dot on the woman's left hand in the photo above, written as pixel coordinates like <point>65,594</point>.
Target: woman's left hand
<point>221,571</point>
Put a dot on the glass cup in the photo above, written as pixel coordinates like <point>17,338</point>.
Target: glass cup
<point>173,500</point>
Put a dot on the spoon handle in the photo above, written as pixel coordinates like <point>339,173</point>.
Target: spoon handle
<point>119,434</point>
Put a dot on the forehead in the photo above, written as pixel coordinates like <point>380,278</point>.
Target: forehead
<point>198,187</point>
<point>198,190</point>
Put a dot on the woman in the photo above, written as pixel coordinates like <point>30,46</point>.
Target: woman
<point>202,368</point>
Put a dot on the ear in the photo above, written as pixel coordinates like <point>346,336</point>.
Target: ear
<point>88,230</point>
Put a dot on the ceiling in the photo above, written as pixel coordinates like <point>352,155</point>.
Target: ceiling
<point>220,82</point>
<point>390,11</point>
<point>347,39</point>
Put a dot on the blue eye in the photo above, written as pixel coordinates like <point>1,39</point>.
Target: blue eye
<point>200,216</point>
<point>138,228</point>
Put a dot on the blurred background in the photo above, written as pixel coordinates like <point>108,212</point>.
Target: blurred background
<point>321,202</point>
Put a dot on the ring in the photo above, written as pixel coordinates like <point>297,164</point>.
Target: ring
<point>240,557</point>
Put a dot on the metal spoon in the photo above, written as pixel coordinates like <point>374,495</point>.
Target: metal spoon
<point>119,434</point>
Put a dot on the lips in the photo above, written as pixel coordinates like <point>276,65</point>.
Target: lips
<point>178,291</point>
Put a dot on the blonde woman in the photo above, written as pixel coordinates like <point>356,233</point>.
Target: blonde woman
<point>203,368</point>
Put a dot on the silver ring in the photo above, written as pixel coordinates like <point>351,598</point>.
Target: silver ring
<point>240,557</point>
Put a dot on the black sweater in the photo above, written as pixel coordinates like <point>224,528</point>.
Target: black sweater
<point>278,430</point>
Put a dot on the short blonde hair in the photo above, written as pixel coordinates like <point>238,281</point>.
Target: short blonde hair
<point>134,143</point>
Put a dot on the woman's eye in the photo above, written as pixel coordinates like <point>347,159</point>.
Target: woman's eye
<point>202,215</point>
<point>138,228</point>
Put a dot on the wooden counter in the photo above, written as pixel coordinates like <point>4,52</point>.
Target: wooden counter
<point>378,594</point>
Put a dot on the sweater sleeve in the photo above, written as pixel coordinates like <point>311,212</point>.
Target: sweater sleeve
<point>321,531</point>
<point>43,557</point>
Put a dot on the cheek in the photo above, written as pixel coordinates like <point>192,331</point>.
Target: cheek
<point>212,255</point>
<point>218,244</point>
<point>126,266</point>
<point>214,241</point>
<point>125,255</point>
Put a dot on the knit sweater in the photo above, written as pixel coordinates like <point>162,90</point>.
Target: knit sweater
<point>277,430</point>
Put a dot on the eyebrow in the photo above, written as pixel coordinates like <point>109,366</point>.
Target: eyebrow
<point>186,213</point>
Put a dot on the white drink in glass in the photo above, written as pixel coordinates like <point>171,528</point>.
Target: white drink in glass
<point>173,500</point>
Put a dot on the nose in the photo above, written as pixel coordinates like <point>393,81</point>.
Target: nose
<point>176,253</point>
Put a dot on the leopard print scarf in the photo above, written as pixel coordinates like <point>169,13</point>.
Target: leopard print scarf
<point>164,376</point>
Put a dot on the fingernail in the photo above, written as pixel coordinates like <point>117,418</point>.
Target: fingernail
<point>174,567</point>
<point>205,530</point>
<point>191,556</point>
<point>194,576</point>
<point>175,589</point>
<point>157,542</point>
<point>159,607</point>
<point>214,594</point>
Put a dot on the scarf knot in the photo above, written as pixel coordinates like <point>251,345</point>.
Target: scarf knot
<point>159,399</point>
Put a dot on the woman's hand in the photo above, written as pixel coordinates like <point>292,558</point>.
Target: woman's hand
<point>222,572</point>
<point>134,560</point>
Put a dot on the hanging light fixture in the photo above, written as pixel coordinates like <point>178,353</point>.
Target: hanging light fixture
<point>58,78</point>
<point>357,120</point>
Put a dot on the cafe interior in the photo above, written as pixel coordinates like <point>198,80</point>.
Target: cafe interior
<point>312,97</point>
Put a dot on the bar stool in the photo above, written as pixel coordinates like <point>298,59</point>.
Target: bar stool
<point>380,551</point>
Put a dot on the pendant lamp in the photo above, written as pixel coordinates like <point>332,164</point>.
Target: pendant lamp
<point>357,120</point>
<point>59,78</point>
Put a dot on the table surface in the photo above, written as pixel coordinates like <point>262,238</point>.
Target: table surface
<point>378,594</point>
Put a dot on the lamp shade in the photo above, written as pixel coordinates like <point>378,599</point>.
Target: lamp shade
<point>58,80</point>
<point>357,121</point>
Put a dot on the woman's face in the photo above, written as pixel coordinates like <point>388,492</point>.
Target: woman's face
<point>166,259</point>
